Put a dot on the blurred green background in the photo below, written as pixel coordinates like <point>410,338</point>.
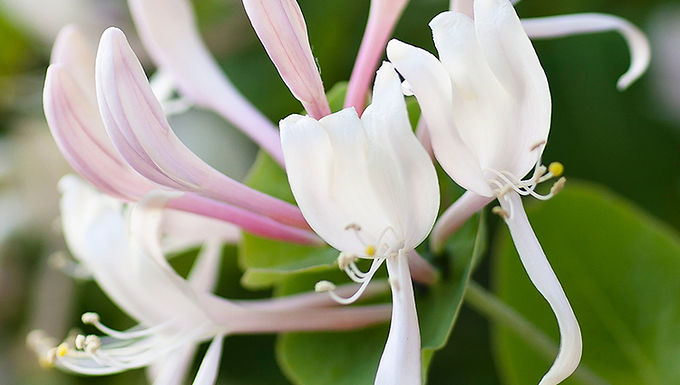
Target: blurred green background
<point>626,142</point>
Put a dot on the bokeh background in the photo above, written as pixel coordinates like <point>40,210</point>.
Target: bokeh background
<point>628,142</point>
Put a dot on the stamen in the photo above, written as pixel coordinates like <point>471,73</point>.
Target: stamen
<point>323,286</point>
<point>92,344</point>
<point>498,210</point>
<point>344,259</point>
<point>90,318</point>
<point>559,185</point>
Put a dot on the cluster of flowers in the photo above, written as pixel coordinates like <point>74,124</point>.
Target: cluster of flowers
<point>364,182</point>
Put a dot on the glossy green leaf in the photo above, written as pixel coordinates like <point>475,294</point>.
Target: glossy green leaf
<point>267,261</point>
<point>352,357</point>
<point>619,268</point>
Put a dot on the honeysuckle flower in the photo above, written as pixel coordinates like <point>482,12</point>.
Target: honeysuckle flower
<point>282,30</point>
<point>369,189</point>
<point>71,109</point>
<point>537,28</point>
<point>169,33</point>
<point>121,246</point>
<point>487,106</point>
<point>382,18</point>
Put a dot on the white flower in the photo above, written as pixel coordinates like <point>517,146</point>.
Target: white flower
<point>121,247</point>
<point>369,189</point>
<point>487,107</point>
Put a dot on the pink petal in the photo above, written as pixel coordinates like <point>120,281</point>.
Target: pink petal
<point>382,18</point>
<point>76,127</point>
<point>281,28</point>
<point>139,129</point>
<point>169,33</point>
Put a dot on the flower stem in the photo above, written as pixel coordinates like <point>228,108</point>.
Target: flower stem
<point>499,312</point>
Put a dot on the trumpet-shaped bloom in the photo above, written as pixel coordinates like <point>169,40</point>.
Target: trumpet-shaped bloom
<point>121,247</point>
<point>487,106</point>
<point>368,188</point>
<point>71,109</point>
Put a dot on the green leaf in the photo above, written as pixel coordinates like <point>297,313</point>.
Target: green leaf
<point>352,357</point>
<point>619,268</point>
<point>267,261</point>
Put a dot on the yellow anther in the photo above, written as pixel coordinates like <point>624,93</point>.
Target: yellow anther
<point>370,250</point>
<point>62,349</point>
<point>556,168</point>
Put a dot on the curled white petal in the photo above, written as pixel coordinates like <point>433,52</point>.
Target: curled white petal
<point>542,276</point>
<point>566,25</point>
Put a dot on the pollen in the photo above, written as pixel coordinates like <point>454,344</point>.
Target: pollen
<point>62,350</point>
<point>556,168</point>
<point>370,250</point>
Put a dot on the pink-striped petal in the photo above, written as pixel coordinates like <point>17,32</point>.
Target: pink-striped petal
<point>140,131</point>
<point>169,33</point>
<point>382,18</point>
<point>282,30</point>
<point>77,128</point>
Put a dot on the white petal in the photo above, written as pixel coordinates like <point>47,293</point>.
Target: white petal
<point>400,361</point>
<point>209,369</point>
<point>173,369</point>
<point>566,25</point>
<point>184,230</point>
<point>483,112</point>
<point>513,60</point>
<point>402,173</point>
<point>541,274</point>
<point>205,271</point>
<point>169,32</point>
<point>99,235</point>
<point>310,166</point>
<point>432,87</point>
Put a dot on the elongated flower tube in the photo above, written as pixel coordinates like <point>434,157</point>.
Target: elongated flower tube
<point>382,18</point>
<point>487,107</point>
<point>140,131</point>
<point>282,30</point>
<point>369,189</point>
<point>121,247</point>
<point>72,114</point>
<point>169,33</point>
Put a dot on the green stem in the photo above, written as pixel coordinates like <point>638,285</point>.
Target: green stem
<point>496,310</point>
